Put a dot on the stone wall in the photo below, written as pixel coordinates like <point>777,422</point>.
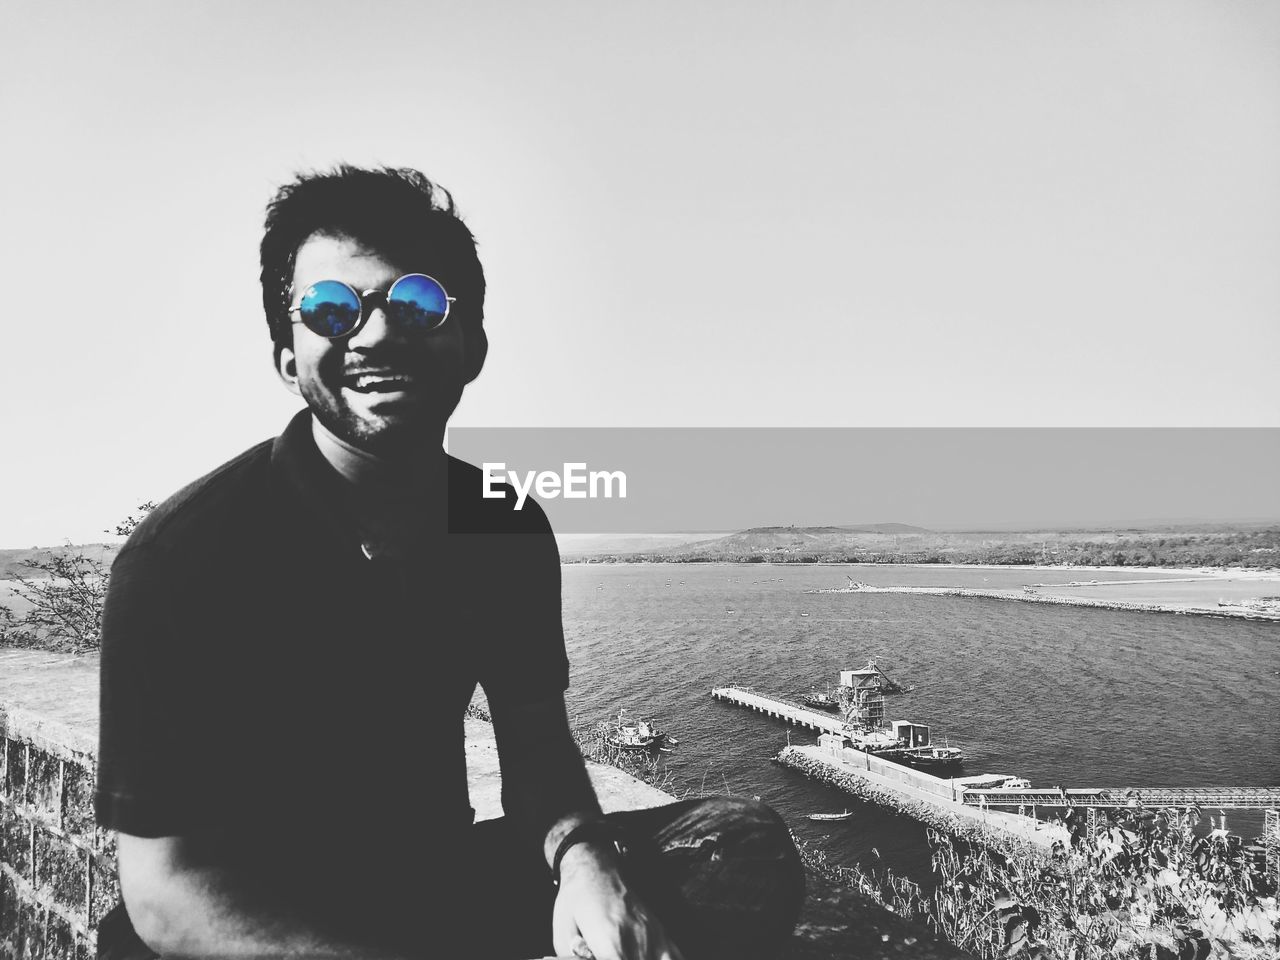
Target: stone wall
<point>57,869</point>
<point>915,779</point>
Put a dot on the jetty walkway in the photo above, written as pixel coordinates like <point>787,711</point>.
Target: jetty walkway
<point>1235,798</point>
<point>784,709</point>
<point>983,802</point>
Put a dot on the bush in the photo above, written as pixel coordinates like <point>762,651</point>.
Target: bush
<point>1144,884</point>
<point>65,592</point>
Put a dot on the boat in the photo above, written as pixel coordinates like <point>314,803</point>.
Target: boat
<point>933,759</point>
<point>831,816</point>
<point>821,700</point>
<point>631,735</point>
<point>1013,783</point>
<point>862,701</point>
<point>628,734</point>
<point>902,741</point>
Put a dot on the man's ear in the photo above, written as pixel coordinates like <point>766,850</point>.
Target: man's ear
<point>287,368</point>
<point>476,345</point>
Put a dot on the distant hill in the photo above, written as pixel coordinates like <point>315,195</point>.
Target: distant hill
<point>12,560</point>
<point>1221,546</point>
<point>898,528</point>
<point>578,546</point>
<point>793,543</point>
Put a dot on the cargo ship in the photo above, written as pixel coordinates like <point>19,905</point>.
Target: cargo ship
<point>861,695</point>
<point>907,743</point>
<point>821,700</point>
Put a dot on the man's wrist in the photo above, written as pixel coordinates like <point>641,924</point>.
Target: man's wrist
<point>590,856</point>
<point>594,835</point>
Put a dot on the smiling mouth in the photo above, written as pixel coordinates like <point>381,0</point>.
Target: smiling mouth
<point>380,382</point>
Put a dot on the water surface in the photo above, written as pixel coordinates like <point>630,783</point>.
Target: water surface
<point>1059,695</point>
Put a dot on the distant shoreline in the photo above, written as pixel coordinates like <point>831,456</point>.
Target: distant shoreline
<point>1202,572</point>
<point>1240,611</point>
<point>1172,548</point>
<point>1196,590</point>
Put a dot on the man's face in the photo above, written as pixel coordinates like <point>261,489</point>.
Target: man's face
<point>384,390</point>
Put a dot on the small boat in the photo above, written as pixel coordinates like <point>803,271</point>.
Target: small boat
<point>626,734</point>
<point>631,736</point>
<point>931,758</point>
<point>831,816</point>
<point>1014,783</point>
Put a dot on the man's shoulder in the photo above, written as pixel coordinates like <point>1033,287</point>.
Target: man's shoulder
<point>472,511</point>
<point>205,509</point>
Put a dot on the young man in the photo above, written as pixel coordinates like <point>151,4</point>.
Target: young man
<point>291,641</point>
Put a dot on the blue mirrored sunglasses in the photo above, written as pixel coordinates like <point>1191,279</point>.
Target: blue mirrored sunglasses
<point>331,308</point>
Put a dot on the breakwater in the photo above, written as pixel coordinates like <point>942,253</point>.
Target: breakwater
<point>1031,596</point>
<point>922,797</point>
<point>919,794</point>
<point>863,789</point>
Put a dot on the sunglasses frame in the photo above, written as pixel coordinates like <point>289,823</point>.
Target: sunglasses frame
<point>366,309</point>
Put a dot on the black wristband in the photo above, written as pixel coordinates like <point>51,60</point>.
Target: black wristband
<point>589,831</point>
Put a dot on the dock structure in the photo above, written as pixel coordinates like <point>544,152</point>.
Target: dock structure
<point>1231,798</point>
<point>984,796</point>
<point>783,709</point>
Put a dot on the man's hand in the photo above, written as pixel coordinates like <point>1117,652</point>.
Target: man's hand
<point>545,788</point>
<point>595,909</point>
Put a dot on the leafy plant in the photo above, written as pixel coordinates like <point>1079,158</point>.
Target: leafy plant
<point>63,593</point>
<point>1143,884</point>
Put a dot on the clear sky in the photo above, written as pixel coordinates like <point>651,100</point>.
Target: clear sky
<point>898,213</point>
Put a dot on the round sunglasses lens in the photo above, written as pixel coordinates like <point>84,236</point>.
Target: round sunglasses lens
<point>417,302</point>
<point>330,308</point>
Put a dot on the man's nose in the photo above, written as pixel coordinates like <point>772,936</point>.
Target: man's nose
<point>377,328</point>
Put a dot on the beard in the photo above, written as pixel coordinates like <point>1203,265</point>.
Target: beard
<point>396,430</point>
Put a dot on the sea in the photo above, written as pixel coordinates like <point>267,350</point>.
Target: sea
<point>1063,696</point>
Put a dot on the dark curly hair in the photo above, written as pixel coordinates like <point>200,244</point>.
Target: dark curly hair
<point>395,211</point>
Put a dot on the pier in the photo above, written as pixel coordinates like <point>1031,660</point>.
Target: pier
<point>1233,798</point>
<point>783,709</point>
<point>879,779</point>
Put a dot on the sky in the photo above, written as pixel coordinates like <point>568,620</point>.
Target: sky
<point>910,213</point>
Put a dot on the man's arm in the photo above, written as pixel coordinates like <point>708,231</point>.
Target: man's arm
<point>184,895</point>
<point>546,790</point>
<point>184,904</point>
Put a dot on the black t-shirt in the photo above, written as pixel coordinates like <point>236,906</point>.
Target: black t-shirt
<point>261,675</point>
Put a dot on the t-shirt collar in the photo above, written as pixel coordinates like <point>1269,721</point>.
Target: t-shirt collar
<point>313,490</point>
<point>307,483</point>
